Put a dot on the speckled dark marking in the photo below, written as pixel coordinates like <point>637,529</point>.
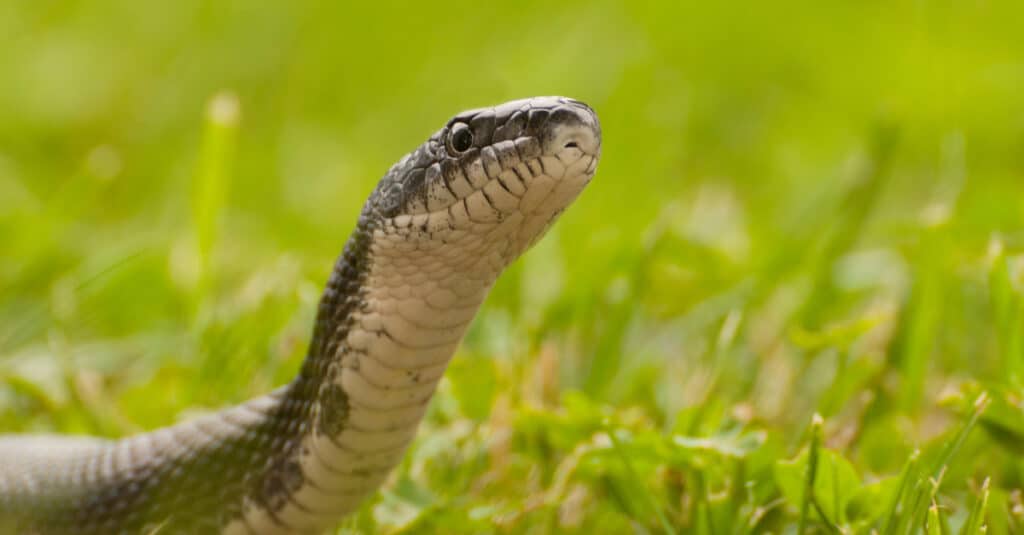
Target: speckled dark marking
<point>284,479</point>
<point>333,410</point>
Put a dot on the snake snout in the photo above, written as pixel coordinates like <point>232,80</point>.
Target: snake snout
<point>573,125</point>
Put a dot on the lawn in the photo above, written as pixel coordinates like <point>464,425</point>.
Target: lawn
<point>791,301</point>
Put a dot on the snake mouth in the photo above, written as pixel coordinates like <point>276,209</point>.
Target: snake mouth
<point>477,193</point>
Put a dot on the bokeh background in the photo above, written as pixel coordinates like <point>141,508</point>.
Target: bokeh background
<point>801,208</point>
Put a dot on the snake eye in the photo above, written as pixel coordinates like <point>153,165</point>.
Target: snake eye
<point>461,138</point>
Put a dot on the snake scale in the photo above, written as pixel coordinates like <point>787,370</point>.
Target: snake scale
<point>429,243</point>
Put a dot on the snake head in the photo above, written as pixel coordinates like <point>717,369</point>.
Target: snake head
<point>507,171</point>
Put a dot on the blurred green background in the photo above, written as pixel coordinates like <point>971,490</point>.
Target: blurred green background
<point>801,208</point>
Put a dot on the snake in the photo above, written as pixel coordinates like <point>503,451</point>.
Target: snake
<point>430,242</point>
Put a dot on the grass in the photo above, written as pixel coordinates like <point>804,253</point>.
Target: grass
<point>792,301</point>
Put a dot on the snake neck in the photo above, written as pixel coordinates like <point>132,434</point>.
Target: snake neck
<point>388,322</point>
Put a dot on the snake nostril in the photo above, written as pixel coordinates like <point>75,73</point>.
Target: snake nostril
<point>572,145</point>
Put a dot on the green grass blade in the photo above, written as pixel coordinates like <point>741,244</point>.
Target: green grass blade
<point>212,179</point>
<point>895,520</point>
<point>934,526</point>
<point>812,471</point>
<point>973,524</point>
<point>953,446</point>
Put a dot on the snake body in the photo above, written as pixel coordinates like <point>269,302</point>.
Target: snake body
<point>436,232</point>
